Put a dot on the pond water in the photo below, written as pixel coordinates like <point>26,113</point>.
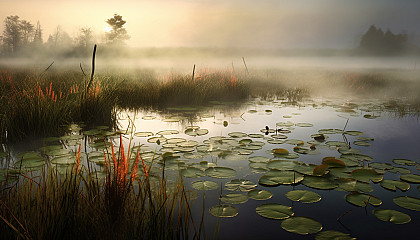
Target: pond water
<point>225,142</point>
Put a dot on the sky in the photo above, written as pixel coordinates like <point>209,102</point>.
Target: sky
<point>224,23</point>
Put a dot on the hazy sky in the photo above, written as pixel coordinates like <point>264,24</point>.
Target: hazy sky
<point>219,23</point>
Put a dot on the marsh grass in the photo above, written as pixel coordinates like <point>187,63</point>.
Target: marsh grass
<point>78,205</point>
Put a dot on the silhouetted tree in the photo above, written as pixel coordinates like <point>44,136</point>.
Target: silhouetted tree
<point>118,33</point>
<point>12,35</point>
<point>38,35</point>
<point>375,41</point>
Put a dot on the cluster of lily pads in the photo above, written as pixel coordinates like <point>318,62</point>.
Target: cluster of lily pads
<point>352,172</point>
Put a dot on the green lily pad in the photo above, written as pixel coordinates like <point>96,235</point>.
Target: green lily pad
<point>319,183</point>
<point>333,235</point>
<point>408,202</point>
<point>237,134</point>
<point>353,133</point>
<point>220,172</point>
<point>393,185</point>
<point>294,141</point>
<point>234,198</point>
<point>381,166</point>
<point>281,165</point>
<point>260,194</point>
<point>280,151</point>
<point>362,143</point>
<point>404,162</point>
<point>366,174</point>
<point>258,159</point>
<point>301,225</point>
<point>303,196</point>
<point>333,162</point>
<point>240,185</point>
<point>274,211</point>
<point>143,134</point>
<point>401,170</point>
<point>204,185</point>
<point>277,177</point>
<point>192,172</point>
<point>284,124</point>
<point>336,144</point>
<point>255,135</point>
<point>65,160</point>
<point>167,132</point>
<point>412,178</point>
<point>320,170</point>
<point>361,200</point>
<point>224,210</point>
<point>148,117</point>
<point>304,124</point>
<point>388,215</point>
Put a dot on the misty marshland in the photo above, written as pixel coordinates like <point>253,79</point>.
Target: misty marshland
<point>118,142</point>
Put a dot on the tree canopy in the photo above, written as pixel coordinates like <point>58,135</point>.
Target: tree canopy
<point>375,41</point>
<point>117,34</point>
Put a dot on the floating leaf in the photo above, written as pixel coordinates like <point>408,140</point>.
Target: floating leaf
<point>280,151</point>
<point>320,170</point>
<point>258,159</point>
<point>204,185</point>
<point>400,170</point>
<point>192,172</point>
<point>220,172</point>
<point>393,185</point>
<point>167,132</point>
<point>254,135</point>
<point>330,131</point>
<point>260,194</point>
<point>404,162</point>
<point>274,211</point>
<point>148,117</point>
<point>353,133</point>
<point>304,124</point>
<point>361,200</point>
<point>303,196</point>
<point>284,124</point>
<point>143,134</point>
<point>388,215</point>
<point>237,134</point>
<point>281,164</point>
<point>294,141</point>
<point>319,183</point>
<point>224,210</point>
<point>240,185</point>
<point>332,162</point>
<point>381,166</point>
<point>366,174</point>
<point>362,143</point>
<point>408,202</point>
<point>412,178</point>
<point>276,177</point>
<point>301,225</point>
<point>234,198</point>
<point>333,235</point>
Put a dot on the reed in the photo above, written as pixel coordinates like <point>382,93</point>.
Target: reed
<point>128,204</point>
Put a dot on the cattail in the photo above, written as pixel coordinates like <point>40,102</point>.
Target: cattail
<point>78,158</point>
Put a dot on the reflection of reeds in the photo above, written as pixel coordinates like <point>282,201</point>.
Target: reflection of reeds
<point>79,205</point>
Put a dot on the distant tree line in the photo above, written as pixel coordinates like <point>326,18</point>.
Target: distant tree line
<point>22,38</point>
<point>377,42</point>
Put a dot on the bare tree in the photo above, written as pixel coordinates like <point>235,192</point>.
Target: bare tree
<point>85,38</point>
<point>38,35</point>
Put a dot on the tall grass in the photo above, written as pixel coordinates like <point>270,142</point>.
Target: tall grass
<point>128,204</point>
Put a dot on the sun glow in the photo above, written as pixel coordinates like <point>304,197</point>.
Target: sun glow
<point>107,29</point>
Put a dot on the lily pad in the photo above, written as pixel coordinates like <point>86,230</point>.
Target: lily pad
<point>280,151</point>
<point>204,185</point>
<point>362,143</point>
<point>353,133</point>
<point>401,170</point>
<point>167,132</point>
<point>277,177</point>
<point>393,185</point>
<point>303,196</point>
<point>388,215</point>
<point>361,200</point>
<point>412,178</point>
<point>304,124</point>
<point>301,225</point>
<point>240,185</point>
<point>274,211</point>
<point>237,134</point>
<point>260,194</point>
<point>366,174</point>
<point>143,134</point>
<point>404,162</point>
<point>408,202</point>
<point>234,198</point>
<point>192,172</point>
<point>333,235</point>
<point>220,172</point>
<point>224,210</point>
<point>258,159</point>
<point>330,131</point>
<point>319,183</point>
